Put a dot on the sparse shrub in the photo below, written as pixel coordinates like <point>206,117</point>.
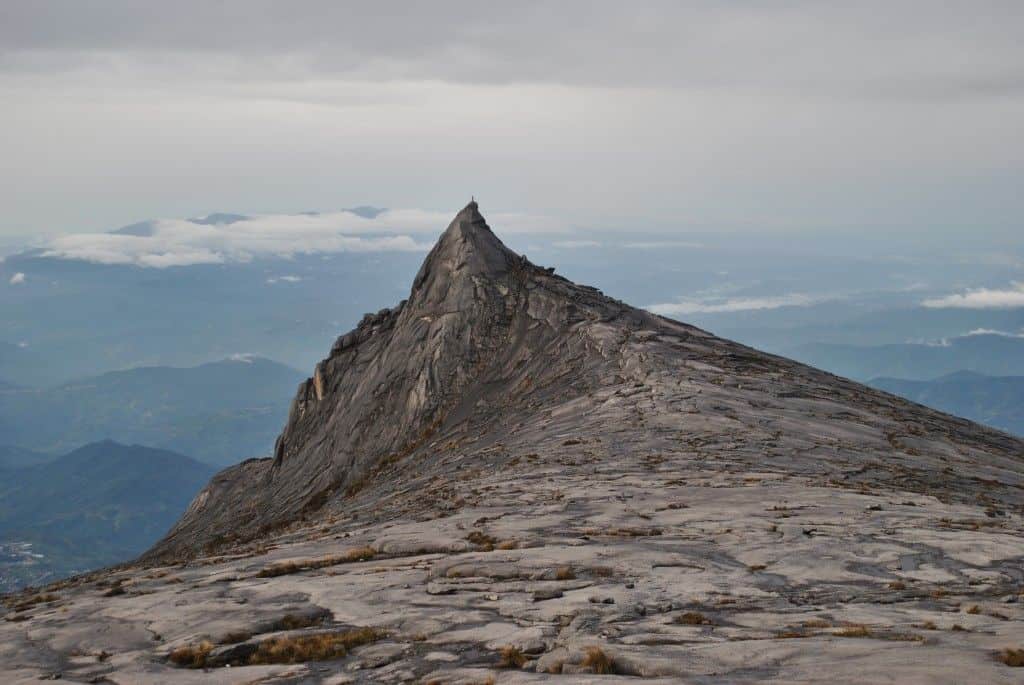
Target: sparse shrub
<point>283,569</point>
<point>191,656</point>
<point>757,567</point>
<point>508,544</point>
<point>482,539</point>
<point>692,618</point>
<point>298,621</point>
<point>564,573</point>
<point>974,609</point>
<point>32,601</point>
<point>897,585</point>
<point>1012,657</point>
<point>288,567</point>
<point>853,631</point>
<point>598,662</point>
<point>512,657</point>
<point>319,647</point>
<point>793,633</point>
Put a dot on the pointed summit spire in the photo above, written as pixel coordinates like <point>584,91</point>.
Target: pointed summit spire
<point>468,247</point>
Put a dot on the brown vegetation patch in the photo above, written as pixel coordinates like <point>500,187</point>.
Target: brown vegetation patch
<point>26,604</point>
<point>191,656</point>
<point>564,573</point>
<point>512,657</point>
<point>298,621</point>
<point>482,539</point>
<point>692,618</point>
<point>598,662</point>
<point>318,647</point>
<point>289,567</point>
<point>1012,657</point>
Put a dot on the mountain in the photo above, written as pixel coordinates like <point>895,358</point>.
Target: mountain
<point>509,476</point>
<point>100,504</point>
<point>221,412</point>
<point>16,457</point>
<point>992,354</point>
<point>116,316</point>
<point>996,401</point>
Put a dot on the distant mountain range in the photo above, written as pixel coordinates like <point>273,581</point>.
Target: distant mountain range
<point>220,413</point>
<point>990,354</point>
<point>993,401</point>
<point>12,457</point>
<point>98,505</point>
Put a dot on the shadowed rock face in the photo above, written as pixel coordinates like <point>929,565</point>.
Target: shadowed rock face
<point>491,348</point>
<point>509,476</point>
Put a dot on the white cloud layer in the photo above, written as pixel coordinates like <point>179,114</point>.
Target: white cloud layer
<point>684,306</point>
<point>981,298</point>
<point>180,242</point>
<point>993,331</point>
<point>17,279</point>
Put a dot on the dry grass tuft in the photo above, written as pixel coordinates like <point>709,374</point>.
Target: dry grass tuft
<point>298,621</point>
<point>482,539</point>
<point>793,633</point>
<point>512,657</point>
<point>974,609</point>
<point>289,567</point>
<point>897,585</point>
<point>191,656</point>
<point>853,631</point>
<point>508,544</point>
<point>1012,657</point>
<point>564,573</point>
<point>32,601</point>
<point>692,618</point>
<point>598,662</point>
<point>319,647</point>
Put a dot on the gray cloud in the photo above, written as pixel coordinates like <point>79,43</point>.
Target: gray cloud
<point>661,115</point>
<point>890,49</point>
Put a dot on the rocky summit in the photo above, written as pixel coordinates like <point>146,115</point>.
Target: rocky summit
<point>511,478</point>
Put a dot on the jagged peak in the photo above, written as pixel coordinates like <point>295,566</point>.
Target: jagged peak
<point>468,248</point>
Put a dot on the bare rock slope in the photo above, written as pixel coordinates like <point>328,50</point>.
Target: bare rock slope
<point>513,478</point>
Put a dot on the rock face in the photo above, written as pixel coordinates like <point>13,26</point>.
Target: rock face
<point>509,477</point>
<point>490,348</point>
<point>485,337</point>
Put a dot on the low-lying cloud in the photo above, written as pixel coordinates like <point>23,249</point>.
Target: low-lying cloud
<point>182,242</point>
<point>981,298</point>
<point>738,304</point>
<point>17,279</point>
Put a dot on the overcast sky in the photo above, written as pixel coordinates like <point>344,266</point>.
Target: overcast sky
<point>747,116</point>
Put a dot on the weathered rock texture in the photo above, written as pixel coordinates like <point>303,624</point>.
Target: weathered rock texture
<point>510,460</point>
